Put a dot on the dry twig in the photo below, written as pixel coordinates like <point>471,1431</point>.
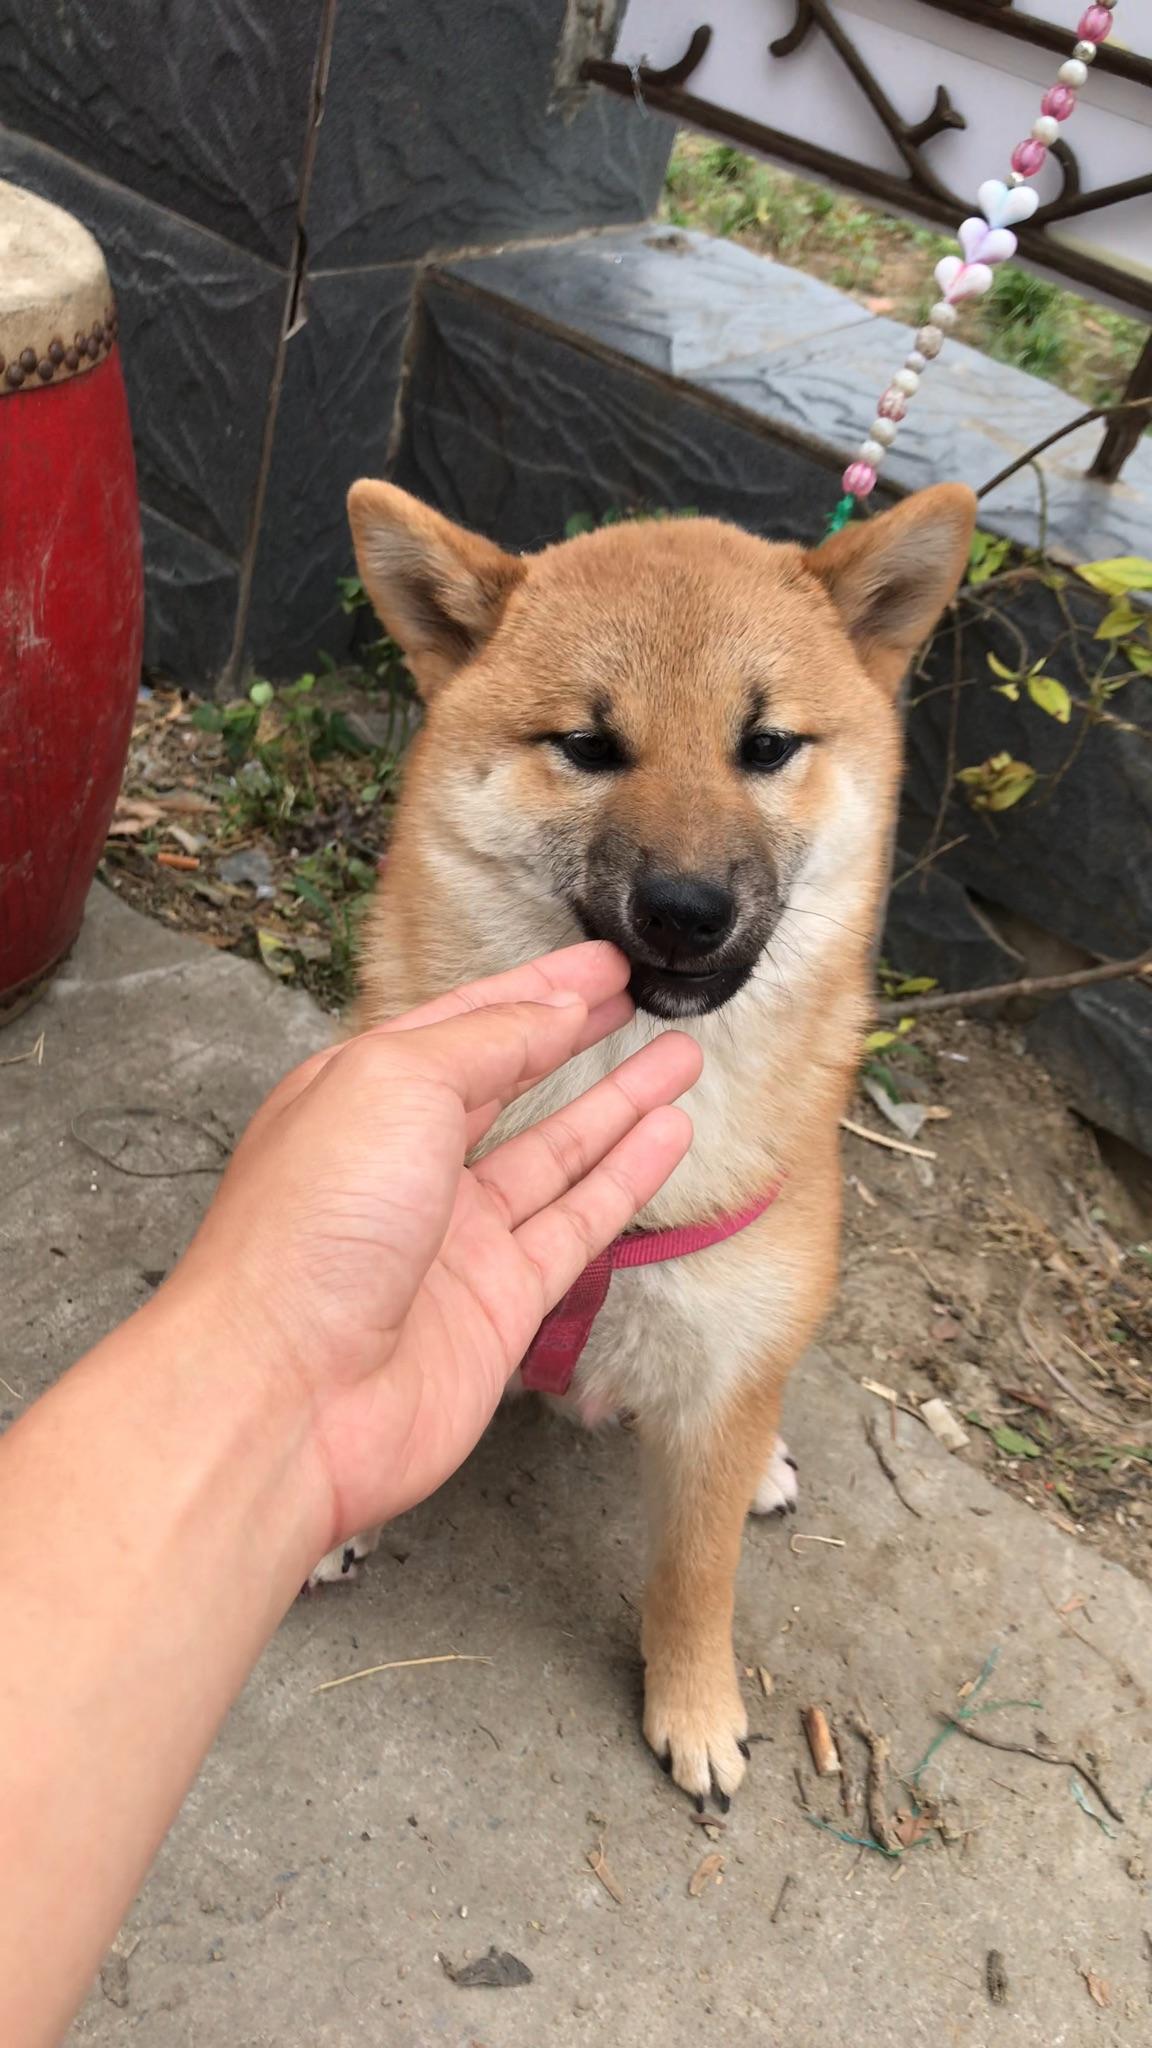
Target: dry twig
<point>599,1868</point>
<point>1007,991</point>
<point>881,1138</point>
<point>399,1664</point>
<point>1064,1763</point>
<point>824,1752</point>
<point>887,1467</point>
<point>874,1802</point>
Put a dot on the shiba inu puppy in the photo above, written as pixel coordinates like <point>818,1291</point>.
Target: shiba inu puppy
<point>687,741</point>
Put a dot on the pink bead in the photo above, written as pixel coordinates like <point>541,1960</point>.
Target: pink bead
<point>1029,157</point>
<point>893,405</point>
<point>860,479</point>
<point>1095,25</point>
<point>1060,102</point>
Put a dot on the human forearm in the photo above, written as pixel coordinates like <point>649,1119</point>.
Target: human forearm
<point>158,1512</point>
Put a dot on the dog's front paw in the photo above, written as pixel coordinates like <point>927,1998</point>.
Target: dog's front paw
<point>695,1721</point>
<point>341,1563</point>
<point>779,1489</point>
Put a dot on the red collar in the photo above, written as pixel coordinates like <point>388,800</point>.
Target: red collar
<point>554,1352</point>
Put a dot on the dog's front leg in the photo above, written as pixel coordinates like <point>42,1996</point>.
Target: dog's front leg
<point>700,1486</point>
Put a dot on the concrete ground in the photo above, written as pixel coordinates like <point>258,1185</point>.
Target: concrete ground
<point>338,1843</point>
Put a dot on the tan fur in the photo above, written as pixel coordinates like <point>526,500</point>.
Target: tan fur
<point>675,626</point>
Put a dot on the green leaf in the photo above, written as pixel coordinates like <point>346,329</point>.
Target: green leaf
<point>580,522</point>
<point>1050,696</point>
<point>1014,1443</point>
<point>274,956</point>
<point>310,894</point>
<point>916,985</point>
<point>261,693</point>
<point>877,1040</point>
<point>987,556</point>
<point>999,668</point>
<point>1121,620</point>
<point>997,783</point>
<point>1139,657</point>
<point>1119,574</point>
<point>1009,690</point>
<point>208,718</point>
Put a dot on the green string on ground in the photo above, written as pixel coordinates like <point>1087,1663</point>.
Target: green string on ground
<point>842,514</point>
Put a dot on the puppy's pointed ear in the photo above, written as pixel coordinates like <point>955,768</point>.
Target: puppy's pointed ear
<point>891,577</point>
<point>439,590</point>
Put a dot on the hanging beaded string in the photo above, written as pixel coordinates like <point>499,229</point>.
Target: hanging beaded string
<point>986,240</point>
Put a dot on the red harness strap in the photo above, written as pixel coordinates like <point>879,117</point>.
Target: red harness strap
<point>554,1352</point>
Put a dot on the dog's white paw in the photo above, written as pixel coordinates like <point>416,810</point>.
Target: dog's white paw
<point>341,1563</point>
<point>779,1489</point>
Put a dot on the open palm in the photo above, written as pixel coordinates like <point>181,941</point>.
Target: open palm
<point>405,1285</point>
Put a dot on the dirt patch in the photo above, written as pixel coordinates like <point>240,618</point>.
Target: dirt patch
<point>1009,1275</point>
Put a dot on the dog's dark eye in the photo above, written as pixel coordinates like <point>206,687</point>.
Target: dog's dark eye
<point>595,752</point>
<point>768,750</point>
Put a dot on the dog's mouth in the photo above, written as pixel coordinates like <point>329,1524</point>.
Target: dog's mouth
<point>670,992</point>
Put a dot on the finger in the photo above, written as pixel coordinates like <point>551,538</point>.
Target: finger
<point>603,1021</point>
<point>594,970</point>
<point>562,1239</point>
<point>535,1168</point>
<point>486,1055</point>
<point>598,973</point>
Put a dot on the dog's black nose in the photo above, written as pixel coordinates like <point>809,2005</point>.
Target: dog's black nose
<point>682,914</point>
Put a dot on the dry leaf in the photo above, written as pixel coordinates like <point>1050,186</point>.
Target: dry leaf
<point>186,803</point>
<point>188,842</point>
<point>909,1828</point>
<point>707,1872</point>
<point>134,816</point>
<point>767,1682</point>
<point>1098,1989</point>
<point>599,1868</point>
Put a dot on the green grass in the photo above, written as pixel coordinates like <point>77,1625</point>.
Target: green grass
<point>888,263</point>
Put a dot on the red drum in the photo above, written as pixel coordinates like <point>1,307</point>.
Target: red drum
<point>71,594</point>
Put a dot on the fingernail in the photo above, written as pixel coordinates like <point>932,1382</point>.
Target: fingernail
<point>562,999</point>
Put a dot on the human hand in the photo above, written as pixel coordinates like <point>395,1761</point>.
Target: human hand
<point>350,1249</point>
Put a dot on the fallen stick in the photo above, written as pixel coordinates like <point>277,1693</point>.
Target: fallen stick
<point>781,1895</point>
<point>1007,991</point>
<point>881,1138</point>
<point>824,1752</point>
<point>400,1664</point>
<point>1064,1763</point>
<point>888,1469</point>
<point>875,1805</point>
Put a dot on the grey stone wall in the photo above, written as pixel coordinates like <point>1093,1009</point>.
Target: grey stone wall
<point>265,178</point>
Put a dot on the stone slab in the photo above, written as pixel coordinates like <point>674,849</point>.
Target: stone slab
<point>1098,1042</point>
<point>439,133</point>
<point>335,1842</point>
<point>200,327</point>
<point>932,926</point>
<point>203,110</point>
<point>333,423</point>
<point>798,359</point>
<point>191,592</point>
<point>1073,856</point>
<point>511,428</point>
<point>670,300</point>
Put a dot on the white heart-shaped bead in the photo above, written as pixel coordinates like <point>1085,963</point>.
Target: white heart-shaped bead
<point>982,244</point>
<point>963,280</point>
<point>1005,207</point>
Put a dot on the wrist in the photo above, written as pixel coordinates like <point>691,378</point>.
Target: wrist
<point>229,1384</point>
